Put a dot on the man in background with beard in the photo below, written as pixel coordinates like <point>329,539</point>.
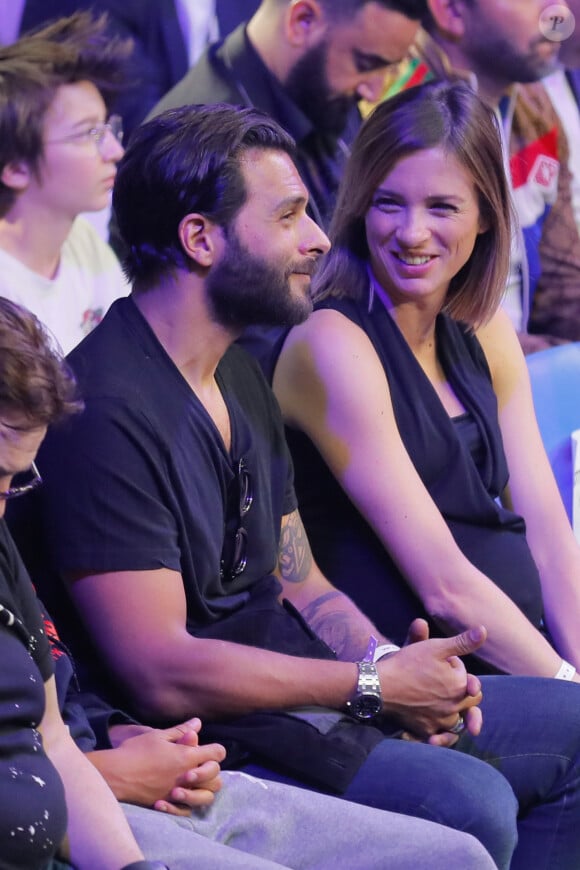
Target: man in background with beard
<point>306,63</point>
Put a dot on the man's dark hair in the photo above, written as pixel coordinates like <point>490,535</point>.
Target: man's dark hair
<point>35,381</point>
<point>70,50</point>
<point>183,161</point>
<point>413,9</point>
<point>339,9</point>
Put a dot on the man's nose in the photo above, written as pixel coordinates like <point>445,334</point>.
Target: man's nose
<point>371,88</point>
<point>315,239</point>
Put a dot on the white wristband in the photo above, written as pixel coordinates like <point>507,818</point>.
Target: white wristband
<point>566,671</point>
<point>385,650</point>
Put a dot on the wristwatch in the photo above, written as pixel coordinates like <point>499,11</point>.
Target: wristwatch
<point>367,701</point>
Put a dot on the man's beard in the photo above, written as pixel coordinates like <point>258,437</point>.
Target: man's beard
<point>498,54</point>
<point>244,290</point>
<point>307,85</point>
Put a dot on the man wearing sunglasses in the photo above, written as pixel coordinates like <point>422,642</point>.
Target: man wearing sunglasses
<point>170,516</point>
<point>58,156</point>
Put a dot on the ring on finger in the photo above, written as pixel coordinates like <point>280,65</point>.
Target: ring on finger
<point>458,727</point>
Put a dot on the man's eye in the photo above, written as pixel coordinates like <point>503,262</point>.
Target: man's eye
<point>365,64</point>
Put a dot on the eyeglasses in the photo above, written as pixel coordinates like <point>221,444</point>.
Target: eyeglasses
<point>239,558</point>
<point>24,482</point>
<point>114,126</point>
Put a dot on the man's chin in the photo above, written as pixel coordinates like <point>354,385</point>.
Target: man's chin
<point>294,315</point>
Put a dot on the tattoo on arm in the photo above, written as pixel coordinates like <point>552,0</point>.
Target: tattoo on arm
<point>294,554</point>
<point>334,626</point>
<point>330,615</point>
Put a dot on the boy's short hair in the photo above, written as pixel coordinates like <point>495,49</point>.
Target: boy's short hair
<point>70,50</point>
<point>35,381</point>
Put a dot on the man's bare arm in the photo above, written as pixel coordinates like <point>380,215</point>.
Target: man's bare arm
<point>138,621</point>
<point>331,614</point>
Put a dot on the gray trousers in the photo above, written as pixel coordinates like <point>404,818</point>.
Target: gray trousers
<point>258,825</point>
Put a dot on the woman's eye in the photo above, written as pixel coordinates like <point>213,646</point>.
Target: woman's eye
<point>385,203</point>
<point>444,206</point>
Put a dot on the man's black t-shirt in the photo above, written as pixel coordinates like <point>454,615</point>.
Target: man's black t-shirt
<point>142,480</point>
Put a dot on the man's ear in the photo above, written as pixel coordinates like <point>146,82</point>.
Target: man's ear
<point>305,23</point>
<point>449,16</point>
<point>197,235</point>
<point>16,175</point>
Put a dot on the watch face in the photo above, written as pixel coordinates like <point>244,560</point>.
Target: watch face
<point>366,706</point>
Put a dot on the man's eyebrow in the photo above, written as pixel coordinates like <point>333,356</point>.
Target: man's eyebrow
<point>291,202</point>
<point>374,61</point>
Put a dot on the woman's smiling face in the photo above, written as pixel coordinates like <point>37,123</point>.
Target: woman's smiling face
<point>422,225</point>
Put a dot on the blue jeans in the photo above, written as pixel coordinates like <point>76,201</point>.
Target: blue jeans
<point>530,741</point>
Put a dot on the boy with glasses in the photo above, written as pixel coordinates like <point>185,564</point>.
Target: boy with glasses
<point>58,156</point>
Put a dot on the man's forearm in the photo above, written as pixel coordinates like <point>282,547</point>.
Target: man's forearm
<point>330,613</point>
<point>213,678</point>
<point>341,625</point>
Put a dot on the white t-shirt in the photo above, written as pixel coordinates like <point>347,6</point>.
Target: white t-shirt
<point>88,280</point>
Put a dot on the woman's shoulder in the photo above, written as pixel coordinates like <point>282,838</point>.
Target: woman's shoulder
<point>329,331</point>
<point>501,347</point>
<point>326,352</point>
<point>499,339</point>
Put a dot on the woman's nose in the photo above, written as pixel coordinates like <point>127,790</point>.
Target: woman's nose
<point>413,228</point>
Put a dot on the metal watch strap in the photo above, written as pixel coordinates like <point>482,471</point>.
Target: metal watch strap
<point>368,678</point>
<point>367,701</point>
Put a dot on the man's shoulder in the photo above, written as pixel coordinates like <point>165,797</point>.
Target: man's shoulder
<point>534,113</point>
<point>109,354</point>
<point>125,377</point>
<point>210,80</point>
